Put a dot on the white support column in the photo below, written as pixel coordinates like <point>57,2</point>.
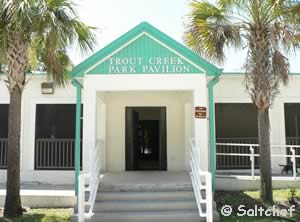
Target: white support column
<point>89,123</point>
<point>103,135</point>
<point>188,133</point>
<point>277,134</point>
<point>201,126</point>
<point>28,133</point>
<point>101,130</point>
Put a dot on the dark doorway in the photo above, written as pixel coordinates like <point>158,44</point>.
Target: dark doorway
<point>146,138</point>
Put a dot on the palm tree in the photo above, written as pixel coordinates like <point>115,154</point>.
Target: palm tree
<point>262,27</point>
<point>34,30</point>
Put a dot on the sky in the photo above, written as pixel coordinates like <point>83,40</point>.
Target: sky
<point>112,18</point>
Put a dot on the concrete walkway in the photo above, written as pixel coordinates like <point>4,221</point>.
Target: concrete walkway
<point>44,195</point>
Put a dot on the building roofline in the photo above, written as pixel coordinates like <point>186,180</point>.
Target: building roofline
<point>80,69</point>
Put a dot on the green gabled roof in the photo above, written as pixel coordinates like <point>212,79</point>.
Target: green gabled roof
<point>144,27</point>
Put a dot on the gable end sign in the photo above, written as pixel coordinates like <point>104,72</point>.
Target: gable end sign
<point>145,50</point>
<point>145,55</point>
<point>148,65</point>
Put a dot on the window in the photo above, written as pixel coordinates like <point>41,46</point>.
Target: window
<point>55,136</point>
<point>235,123</point>
<point>3,135</point>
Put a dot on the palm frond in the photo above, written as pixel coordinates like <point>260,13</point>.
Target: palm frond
<point>297,37</point>
<point>283,36</point>
<point>234,4</point>
<point>58,63</point>
<point>280,66</point>
<point>70,30</point>
<point>48,27</point>
<point>85,36</point>
<point>210,31</point>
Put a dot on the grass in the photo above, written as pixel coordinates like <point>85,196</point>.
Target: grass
<point>251,198</point>
<point>280,196</point>
<point>43,215</point>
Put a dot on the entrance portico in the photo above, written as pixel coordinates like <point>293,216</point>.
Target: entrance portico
<point>145,102</point>
<point>144,68</point>
<point>178,95</point>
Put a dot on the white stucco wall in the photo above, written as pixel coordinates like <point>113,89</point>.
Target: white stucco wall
<point>32,96</point>
<point>231,89</point>
<point>178,94</point>
<point>116,102</point>
<point>180,102</point>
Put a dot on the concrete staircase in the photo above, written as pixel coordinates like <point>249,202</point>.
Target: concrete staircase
<point>169,203</point>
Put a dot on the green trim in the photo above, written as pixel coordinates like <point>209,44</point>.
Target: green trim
<point>294,73</point>
<point>77,132</point>
<point>79,70</point>
<point>212,134</point>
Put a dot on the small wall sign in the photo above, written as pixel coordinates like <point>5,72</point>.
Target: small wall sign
<point>47,88</point>
<point>200,112</point>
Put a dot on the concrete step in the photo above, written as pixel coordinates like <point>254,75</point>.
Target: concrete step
<point>147,202</point>
<point>148,216</point>
<point>141,205</point>
<point>129,197</point>
<point>137,196</point>
<point>136,206</point>
<point>144,187</point>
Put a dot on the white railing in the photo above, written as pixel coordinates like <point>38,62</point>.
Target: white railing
<point>235,162</point>
<point>202,185</point>
<point>85,208</point>
<point>252,155</point>
<point>243,162</point>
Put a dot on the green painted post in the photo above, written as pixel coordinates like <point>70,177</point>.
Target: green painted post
<point>77,132</point>
<point>212,134</point>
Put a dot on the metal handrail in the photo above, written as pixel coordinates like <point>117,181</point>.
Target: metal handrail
<point>252,155</point>
<point>93,180</point>
<point>201,181</point>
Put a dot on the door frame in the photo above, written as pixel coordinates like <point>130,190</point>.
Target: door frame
<point>130,159</point>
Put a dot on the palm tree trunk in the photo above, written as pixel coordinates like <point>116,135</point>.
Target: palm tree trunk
<point>265,156</point>
<point>13,207</point>
<point>17,61</point>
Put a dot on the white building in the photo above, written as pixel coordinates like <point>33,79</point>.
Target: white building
<point>144,98</point>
